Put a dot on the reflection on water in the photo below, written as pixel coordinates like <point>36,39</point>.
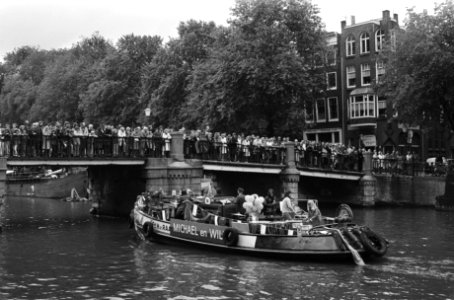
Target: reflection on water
<point>54,250</point>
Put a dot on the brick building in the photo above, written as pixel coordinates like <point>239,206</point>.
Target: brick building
<point>351,112</point>
<point>326,116</point>
<point>366,112</point>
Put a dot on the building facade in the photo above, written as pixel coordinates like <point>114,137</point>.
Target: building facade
<point>351,112</point>
<point>367,112</point>
<point>324,120</point>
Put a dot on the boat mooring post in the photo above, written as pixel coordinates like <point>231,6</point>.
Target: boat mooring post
<point>446,201</point>
<point>2,177</point>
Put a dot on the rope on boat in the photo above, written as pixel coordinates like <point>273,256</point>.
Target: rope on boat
<point>356,257</point>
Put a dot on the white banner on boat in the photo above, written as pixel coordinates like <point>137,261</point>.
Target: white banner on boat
<point>194,210</point>
<point>262,229</point>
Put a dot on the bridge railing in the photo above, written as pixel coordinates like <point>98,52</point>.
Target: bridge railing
<point>67,147</point>
<point>319,160</point>
<point>394,166</point>
<point>207,150</point>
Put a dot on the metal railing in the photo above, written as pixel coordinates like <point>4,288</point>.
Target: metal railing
<point>234,152</point>
<point>329,161</point>
<point>67,147</point>
<point>394,166</point>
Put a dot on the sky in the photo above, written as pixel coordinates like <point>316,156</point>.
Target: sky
<point>53,24</point>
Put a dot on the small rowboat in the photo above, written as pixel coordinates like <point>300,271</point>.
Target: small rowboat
<point>291,239</point>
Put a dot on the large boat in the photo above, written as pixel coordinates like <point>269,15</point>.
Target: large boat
<point>290,239</point>
<point>55,184</point>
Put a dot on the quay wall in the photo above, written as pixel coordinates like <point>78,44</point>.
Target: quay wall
<point>408,190</point>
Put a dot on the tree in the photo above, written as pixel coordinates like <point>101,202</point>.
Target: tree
<point>23,71</point>
<point>420,68</point>
<point>113,94</point>
<point>260,71</point>
<point>67,79</point>
<point>164,80</point>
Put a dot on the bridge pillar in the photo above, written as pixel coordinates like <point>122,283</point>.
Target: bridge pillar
<point>290,176</point>
<point>2,177</point>
<point>171,176</point>
<point>176,147</point>
<point>367,183</point>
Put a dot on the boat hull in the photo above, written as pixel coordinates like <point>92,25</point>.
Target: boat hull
<point>201,235</point>
<point>58,188</point>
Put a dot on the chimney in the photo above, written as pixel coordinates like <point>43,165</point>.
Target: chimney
<point>353,20</point>
<point>343,24</point>
<point>396,18</point>
<point>386,15</point>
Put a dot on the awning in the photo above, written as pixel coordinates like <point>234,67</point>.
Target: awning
<point>362,91</point>
<point>369,140</point>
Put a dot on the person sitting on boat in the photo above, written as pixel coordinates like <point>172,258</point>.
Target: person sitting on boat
<point>270,206</point>
<point>239,201</point>
<point>344,214</point>
<point>313,212</point>
<point>289,207</point>
<point>182,202</point>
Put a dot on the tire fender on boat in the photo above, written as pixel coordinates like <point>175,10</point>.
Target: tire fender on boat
<point>148,229</point>
<point>372,242</point>
<point>230,236</point>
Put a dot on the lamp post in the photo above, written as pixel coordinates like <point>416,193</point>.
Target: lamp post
<point>147,114</point>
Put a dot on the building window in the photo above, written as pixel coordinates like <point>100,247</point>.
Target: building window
<point>381,106</point>
<point>393,40</point>
<point>362,106</point>
<point>318,60</point>
<point>336,137</point>
<point>321,110</point>
<point>365,74</point>
<point>364,43</point>
<point>331,57</point>
<point>351,46</point>
<point>309,112</point>
<point>311,137</point>
<point>331,79</point>
<point>379,40</point>
<point>333,111</point>
<point>380,70</point>
<point>351,77</point>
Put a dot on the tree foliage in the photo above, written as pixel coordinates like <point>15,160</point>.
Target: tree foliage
<point>260,73</point>
<point>112,96</point>
<point>420,69</point>
<point>164,80</point>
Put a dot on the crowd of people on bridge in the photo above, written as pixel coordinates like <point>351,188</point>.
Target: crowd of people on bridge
<point>63,139</point>
<point>67,140</point>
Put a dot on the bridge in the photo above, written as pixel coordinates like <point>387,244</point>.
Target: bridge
<point>119,171</point>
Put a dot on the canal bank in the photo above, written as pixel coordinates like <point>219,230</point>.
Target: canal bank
<point>409,190</point>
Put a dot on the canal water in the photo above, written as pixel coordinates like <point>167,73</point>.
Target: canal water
<point>55,250</point>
